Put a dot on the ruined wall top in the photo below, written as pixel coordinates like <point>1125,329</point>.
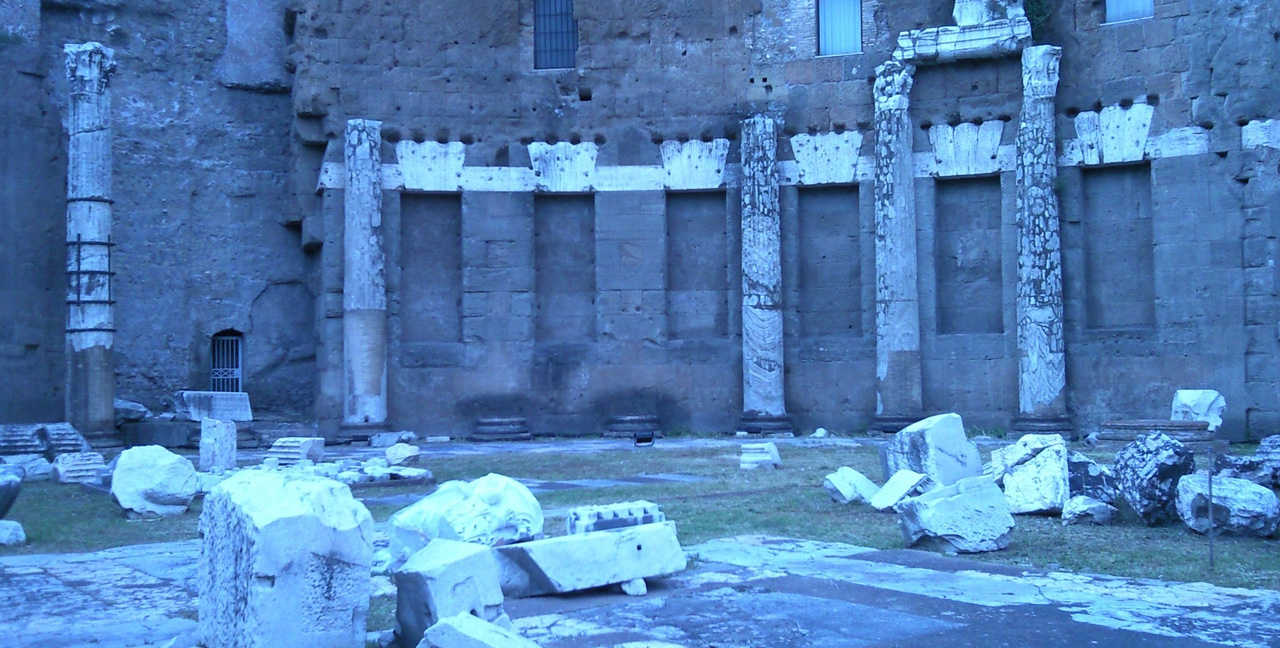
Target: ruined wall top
<point>89,66</point>
<point>977,12</point>
<point>893,84</point>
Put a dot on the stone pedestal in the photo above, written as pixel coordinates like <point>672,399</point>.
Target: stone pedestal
<point>763,394</point>
<point>90,387</point>
<point>364,292</point>
<point>898,390</point>
<point>1042,369</point>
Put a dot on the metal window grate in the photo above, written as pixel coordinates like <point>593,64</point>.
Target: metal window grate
<point>1122,10</point>
<point>555,34</point>
<point>839,27</point>
<point>226,372</point>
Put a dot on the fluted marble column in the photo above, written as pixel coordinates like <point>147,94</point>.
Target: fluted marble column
<point>1042,372</point>
<point>364,288</point>
<point>763,397</point>
<point>898,391</point>
<point>90,394</point>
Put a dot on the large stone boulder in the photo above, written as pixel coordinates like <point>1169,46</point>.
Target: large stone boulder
<point>581,561</point>
<point>1082,508</point>
<point>1268,453</point>
<point>150,481</point>
<point>34,466</point>
<point>968,516</point>
<point>79,468</point>
<point>1198,405</point>
<point>445,579</point>
<point>1089,478</point>
<point>130,412</point>
<point>10,485</point>
<point>403,454</point>
<point>284,563</point>
<point>936,447</point>
<point>1252,468</point>
<point>492,510</point>
<point>12,534</point>
<point>1147,471</point>
<point>1240,507</point>
<point>466,631</point>
<point>1033,472</point>
<point>847,485</point>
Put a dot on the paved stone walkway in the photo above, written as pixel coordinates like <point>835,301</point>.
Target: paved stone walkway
<point>743,592</point>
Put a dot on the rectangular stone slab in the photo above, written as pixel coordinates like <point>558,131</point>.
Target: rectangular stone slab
<point>226,406</point>
<point>585,560</point>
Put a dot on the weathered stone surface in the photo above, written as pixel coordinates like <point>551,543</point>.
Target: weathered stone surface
<point>1147,471</point>
<point>1252,468</point>
<point>1041,484</point>
<point>1082,508</point>
<point>936,447</point>
<point>444,579</point>
<point>1090,478</point>
<point>388,439</point>
<point>755,455</point>
<point>284,563</point>
<point>364,288</point>
<point>1268,453</point>
<point>466,631</point>
<point>35,467</point>
<point>492,510</point>
<point>79,468</point>
<point>902,484</point>
<point>224,406</point>
<point>403,454</point>
<point>291,450</point>
<point>19,439</point>
<point>10,486</point>
<point>1015,454</point>
<point>217,445</point>
<point>585,519</point>
<point>130,412</point>
<point>150,481</point>
<point>582,561</point>
<point>968,516</point>
<point>12,534</point>
<point>847,485</point>
<point>1198,405</point>
<point>1240,507</point>
<point>61,437</point>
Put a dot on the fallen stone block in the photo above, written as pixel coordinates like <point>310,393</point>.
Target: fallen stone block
<point>755,455</point>
<point>34,467</point>
<point>1198,405</point>
<point>1034,473</point>
<point>466,631</point>
<point>1005,459</point>
<point>492,510</point>
<point>284,563</point>
<point>968,516</point>
<point>1090,478</point>
<point>1240,507</point>
<point>21,439</point>
<point>585,519</point>
<point>1147,471</point>
<point>79,468</point>
<point>291,450</point>
<point>388,439</point>
<point>217,445</point>
<point>10,485</point>
<point>403,454</point>
<point>936,447</point>
<point>1268,453</point>
<point>444,579</point>
<point>635,587</point>
<point>12,534</point>
<point>847,486</point>
<point>585,560</point>
<point>200,405</point>
<point>902,484</point>
<point>820,433</point>
<point>1252,468</point>
<point>60,438</point>
<point>130,412</point>
<point>150,481</point>
<point>1082,508</point>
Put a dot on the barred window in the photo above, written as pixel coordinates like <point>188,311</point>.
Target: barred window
<point>839,27</point>
<point>1121,10</point>
<point>555,34</point>
<point>227,357</point>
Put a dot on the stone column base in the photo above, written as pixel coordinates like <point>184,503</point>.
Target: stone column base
<point>766,425</point>
<point>626,427</point>
<point>361,431</point>
<point>1045,425</point>
<point>100,440</point>
<point>501,428</point>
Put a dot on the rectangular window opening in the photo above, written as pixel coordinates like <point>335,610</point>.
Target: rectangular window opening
<point>1122,10</point>
<point>555,35</point>
<point>840,27</point>
<point>226,365</point>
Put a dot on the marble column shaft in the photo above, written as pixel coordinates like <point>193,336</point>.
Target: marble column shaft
<point>364,292</point>
<point>763,397</point>
<point>1042,376</point>
<point>898,390</point>
<point>90,388</point>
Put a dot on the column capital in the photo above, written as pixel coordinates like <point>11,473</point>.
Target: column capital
<point>893,84</point>
<point>1040,71</point>
<point>363,131</point>
<point>89,66</point>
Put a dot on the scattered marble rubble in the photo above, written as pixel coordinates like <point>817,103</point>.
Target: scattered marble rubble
<point>12,534</point>
<point>388,439</point>
<point>582,561</point>
<point>1147,471</point>
<point>128,411</point>
<point>847,486</point>
<point>79,468</point>
<point>34,466</point>
<point>969,516</point>
<point>1240,507</point>
<point>190,405</point>
<point>937,447</point>
<point>585,519</point>
<point>755,455</point>
<point>1090,478</point>
<point>1033,472</point>
<point>403,454</point>
<point>444,579</point>
<point>1082,508</point>
<point>151,481</point>
<point>1198,405</point>
<point>466,631</point>
<point>902,484</point>
<point>491,510</point>
<point>290,450</point>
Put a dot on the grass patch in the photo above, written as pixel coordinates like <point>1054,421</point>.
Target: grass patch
<point>382,614</point>
<point>787,502</point>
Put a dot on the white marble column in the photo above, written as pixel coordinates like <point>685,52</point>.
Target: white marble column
<point>90,394</point>
<point>898,391</point>
<point>1042,373</point>
<point>763,401</point>
<point>364,291</point>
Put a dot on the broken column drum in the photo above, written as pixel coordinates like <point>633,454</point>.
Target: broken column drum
<point>898,381</point>
<point>364,294</point>
<point>90,395</point>
<point>763,398</point>
<point>1042,370</point>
